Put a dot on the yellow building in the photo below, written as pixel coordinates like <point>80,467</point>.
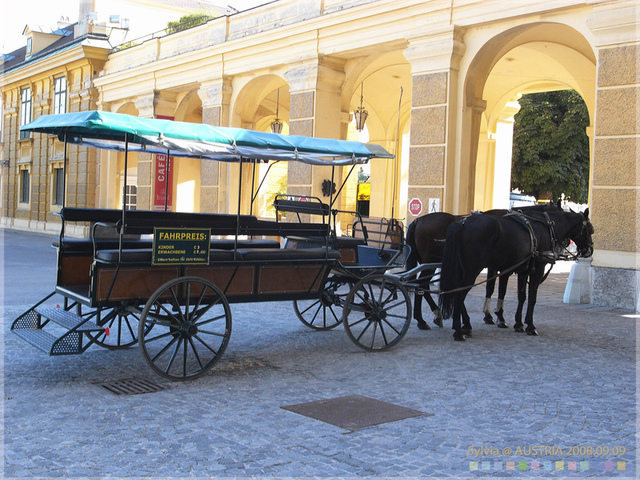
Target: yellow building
<point>460,65</point>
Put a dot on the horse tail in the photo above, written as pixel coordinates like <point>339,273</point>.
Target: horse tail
<point>451,270</point>
<point>412,259</point>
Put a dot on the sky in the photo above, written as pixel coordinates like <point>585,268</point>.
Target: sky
<point>16,14</point>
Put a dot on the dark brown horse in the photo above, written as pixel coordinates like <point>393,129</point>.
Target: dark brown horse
<point>519,243</point>
<point>426,236</point>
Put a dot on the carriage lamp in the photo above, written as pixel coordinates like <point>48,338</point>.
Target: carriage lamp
<point>360,114</point>
<point>276,125</point>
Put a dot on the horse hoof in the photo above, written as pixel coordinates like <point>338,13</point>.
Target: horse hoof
<point>502,325</point>
<point>459,337</point>
<point>532,333</point>
<point>488,319</point>
<point>438,321</point>
<point>519,329</point>
<point>423,326</point>
<point>466,332</point>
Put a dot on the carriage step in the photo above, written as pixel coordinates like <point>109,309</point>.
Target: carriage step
<point>68,320</point>
<point>69,344</point>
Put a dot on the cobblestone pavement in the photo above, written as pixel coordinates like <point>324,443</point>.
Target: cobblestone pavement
<point>504,404</point>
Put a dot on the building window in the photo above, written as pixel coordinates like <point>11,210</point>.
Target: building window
<point>131,197</point>
<point>25,110</point>
<point>29,46</point>
<point>60,95</point>
<point>24,186</point>
<point>58,186</point>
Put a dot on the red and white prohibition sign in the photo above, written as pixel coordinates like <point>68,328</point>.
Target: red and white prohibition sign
<point>415,207</point>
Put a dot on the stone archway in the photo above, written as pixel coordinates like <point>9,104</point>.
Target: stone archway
<point>525,59</point>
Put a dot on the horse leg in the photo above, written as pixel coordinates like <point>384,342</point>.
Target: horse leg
<point>458,334</point>
<point>466,320</point>
<point>502,291</point>
<point>417,310</point>
<point>534,282</point>
<point>491,285</point>
<point>522,296</point>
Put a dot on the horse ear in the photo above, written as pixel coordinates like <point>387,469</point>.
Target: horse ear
<point>586,213</point>
<point>559,204</point>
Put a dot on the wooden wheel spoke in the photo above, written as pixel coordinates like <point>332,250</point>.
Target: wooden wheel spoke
<point>197,337</point>
<point>195,352</point>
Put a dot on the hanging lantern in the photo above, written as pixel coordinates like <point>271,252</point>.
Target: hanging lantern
<point>360,114</point>
<point>276,125</point>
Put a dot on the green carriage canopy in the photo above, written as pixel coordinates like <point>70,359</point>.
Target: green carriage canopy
<point>116,131</point>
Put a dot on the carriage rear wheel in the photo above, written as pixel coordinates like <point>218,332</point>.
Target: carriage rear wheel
<point>121,327</point>
<point>324,313</point>
<point>184,328</point>
<point>377,312</point>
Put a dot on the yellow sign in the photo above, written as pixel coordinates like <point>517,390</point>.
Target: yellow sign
<point>177,246</point>
<point>364,191</point>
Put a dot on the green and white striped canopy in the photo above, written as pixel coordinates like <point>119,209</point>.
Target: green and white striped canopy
<point>116,131</point>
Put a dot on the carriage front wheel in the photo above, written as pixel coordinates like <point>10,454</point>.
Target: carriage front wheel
<point>184,328</point>
<point>377,312</point>
<point>325,312</point>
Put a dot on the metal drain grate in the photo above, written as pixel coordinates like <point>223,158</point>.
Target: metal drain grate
<point>354,411</point>
<point>132,387</point>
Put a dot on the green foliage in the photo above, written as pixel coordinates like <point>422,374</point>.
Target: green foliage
<point>551,147</point>
<point>187,21</point>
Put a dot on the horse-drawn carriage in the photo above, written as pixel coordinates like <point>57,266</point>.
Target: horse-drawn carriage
<point>165,280</point>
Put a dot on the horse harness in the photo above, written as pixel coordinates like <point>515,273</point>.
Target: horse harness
<point>547,256</point>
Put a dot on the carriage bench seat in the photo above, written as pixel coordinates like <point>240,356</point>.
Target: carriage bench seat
<point>145,255</point>
<point>85,245</point>
<point>266,254</point>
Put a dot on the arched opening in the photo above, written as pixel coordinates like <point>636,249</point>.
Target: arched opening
<point>185,175</point>
<point>384,81</point>
<point>526,59</point>
<point>260,103</point>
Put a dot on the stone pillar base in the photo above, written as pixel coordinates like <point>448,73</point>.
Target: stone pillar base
<point>578,289</point>
<point>616,287</point>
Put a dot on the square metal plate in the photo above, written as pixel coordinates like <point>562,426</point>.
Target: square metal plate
<point>354,412</point>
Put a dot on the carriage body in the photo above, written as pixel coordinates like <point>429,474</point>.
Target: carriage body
<point>118,289</point>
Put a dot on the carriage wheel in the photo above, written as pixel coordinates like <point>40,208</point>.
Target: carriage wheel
<point>185,327</point>
<point>122,324</point>
<point>377,312</point>
<point>324,313</point>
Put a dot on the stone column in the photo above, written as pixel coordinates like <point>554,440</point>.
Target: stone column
<point>615,197</point>
<point>315,89</point>
<point>433,171</point>
<point>216,98</point>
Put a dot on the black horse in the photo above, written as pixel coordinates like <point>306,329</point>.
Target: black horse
<point>518,243</point>
<point>503,279</point>
<point>426,236</point>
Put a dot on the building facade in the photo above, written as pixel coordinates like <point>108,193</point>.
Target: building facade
<point>440,80</point>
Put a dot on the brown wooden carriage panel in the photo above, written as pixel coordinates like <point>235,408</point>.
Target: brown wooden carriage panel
<point>348,256</point>
<point>292,278</point>
<point>74,269</point>
<point>131,282</point>
<point>241,277</point>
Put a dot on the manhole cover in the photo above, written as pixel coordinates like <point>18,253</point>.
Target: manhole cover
<point>354,412</point>
<point>132,387</point>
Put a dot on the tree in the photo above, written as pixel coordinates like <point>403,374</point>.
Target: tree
<point>187,21</point>
<point>551,147</point>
